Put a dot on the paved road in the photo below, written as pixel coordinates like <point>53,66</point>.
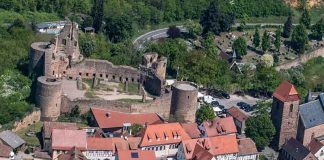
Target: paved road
<point>161,33</point>
<point>153,35</point>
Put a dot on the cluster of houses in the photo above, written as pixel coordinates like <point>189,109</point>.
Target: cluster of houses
<point>115,138</point>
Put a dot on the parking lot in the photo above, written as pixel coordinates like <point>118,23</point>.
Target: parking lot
<point>234,99</point>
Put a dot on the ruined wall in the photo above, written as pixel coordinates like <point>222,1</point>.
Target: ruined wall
<point>29,119</point>
<point>86,104</point>
<point>153,85</point>
<point>302,59</point>
<point>105,70</point>
<point>160,105</point>
<point>48,97</point>
<point>36,57</point>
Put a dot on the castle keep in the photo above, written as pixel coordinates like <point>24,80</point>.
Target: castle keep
<point>60,60</point>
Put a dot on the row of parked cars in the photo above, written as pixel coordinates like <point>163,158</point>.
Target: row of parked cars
<point>245,106</point>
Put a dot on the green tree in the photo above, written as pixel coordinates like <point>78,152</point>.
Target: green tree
<point>205,113</point>
<point>174,32</point>
<point>277,41</point>
<point>266,60</point>
<point>261,130</point>
<point>136,128</point>
<point>119,28</point>
<point>240,46</point>
<point>266,80</point>
<point>299,39</point>
<point>305,19</point>
<point>194,28</point>
<point>256,38</point>
<point>265,41</point>
<point>75,111</point>
<point>210,45</point>
<point>287,27</point>
<point>215,20</point>
<point>262,107</point>
<point>318,30</point>
<point>97,13</point>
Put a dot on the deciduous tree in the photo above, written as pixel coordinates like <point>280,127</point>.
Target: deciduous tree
<point>205,113</point>
<point>174,32</point>
<point>239,46</point>
<point>305,19</point>
<point>318,30</point>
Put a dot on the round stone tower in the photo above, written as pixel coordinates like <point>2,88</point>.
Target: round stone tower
<point>36,56</point>
<point>48,97</point>
<point>184,102</point>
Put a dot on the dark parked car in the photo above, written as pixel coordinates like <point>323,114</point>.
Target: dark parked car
<point>226,95</point>
<point>214,103</point>
<point>221,106</point>
<point>240,104</point>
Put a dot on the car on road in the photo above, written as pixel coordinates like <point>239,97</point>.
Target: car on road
<point>214,103</point>
<point>220,94</point>
<point>221,106</point>
<point>243,105</point>
<point>226,95</point>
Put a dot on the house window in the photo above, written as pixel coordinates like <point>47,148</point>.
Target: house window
<point>87,74</point>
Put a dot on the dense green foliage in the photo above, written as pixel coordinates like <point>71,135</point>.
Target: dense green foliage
<point>256,38</point>
<point>240,47</point>
<point>174,32</point>
<point>318,30</point>
<point>305,19</point>
<point>215,20</point>
<point>205,113</point>
<point>299,39</point>
<point>119,28</point>
<point>265,44</point>
<point>277,41</point>
<point>260,129</point>
<point>136,128</point>
<point>287,27</point>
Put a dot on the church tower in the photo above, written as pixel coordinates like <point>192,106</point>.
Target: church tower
<point>284,113</point>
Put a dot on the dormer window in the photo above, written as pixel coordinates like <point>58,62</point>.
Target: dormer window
<point>157,136</point>
<point>166,137</point>
<point>149,137</point>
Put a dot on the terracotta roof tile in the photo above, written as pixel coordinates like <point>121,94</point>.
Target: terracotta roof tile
<point>130,143</point>
<point>246,147</point>
<point>67,139</point>
<point>237,114</point>
<point>201,153</point>
<point>100,144</point>
<point>169,133</point>
<point>191,129</point>
<point>117,119</point>
<point>73,154</point>
<point>5,150</point>
<point>315,145</point>
<point>49,126</point>
<point>220,126</point>
<point>136,155</point>
<point>218,145</point>
<point>286,92</point>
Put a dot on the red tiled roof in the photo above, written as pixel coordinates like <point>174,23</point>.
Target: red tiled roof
<point>49,126</point>
<point>191,129</point>
<point>73,154</point>
<point>315,145</point>
<point>220,126</point>
<point>237,114</point>
<point>117,119</point>
<point>137,155</point>
<point>67,139</point>
<point>5,150</point>
<point>201,153</point>
<point>121,144</point>
<point>218,145</point>
<point>286,92</point>
<point>246,146</point>
<point>167,133</point>
<point>100,144</point>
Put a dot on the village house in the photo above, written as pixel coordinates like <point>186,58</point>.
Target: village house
<point>218,126</point>
<point>164,139</point>
<point>247,149</point>
<point>47,131</point>
<point>100,148</point>
<point>239,118</point>
<point>12,140</point>
<point>64,140</point>
<point>136,155</point>
<point>294,150</point>
<point>5,152</point>
<point>317,148</point>
<point>116,123</point>
<point>191,129</point>
<point>73,154</point>
<point>210,148</point>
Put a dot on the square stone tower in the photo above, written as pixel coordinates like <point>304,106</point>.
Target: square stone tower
<point>284,113</point>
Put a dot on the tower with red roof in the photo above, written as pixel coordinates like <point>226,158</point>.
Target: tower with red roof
<point>284,113</point>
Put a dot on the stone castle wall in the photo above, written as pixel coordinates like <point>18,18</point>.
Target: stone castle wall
<point>302,59</point>
<point>29,119</point>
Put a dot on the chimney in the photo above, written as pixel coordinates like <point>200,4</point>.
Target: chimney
<point>107,114</point>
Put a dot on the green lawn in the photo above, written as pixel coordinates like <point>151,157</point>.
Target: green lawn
<point>313,72</point>
<point>34,139</point>
<point>37,17</point>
